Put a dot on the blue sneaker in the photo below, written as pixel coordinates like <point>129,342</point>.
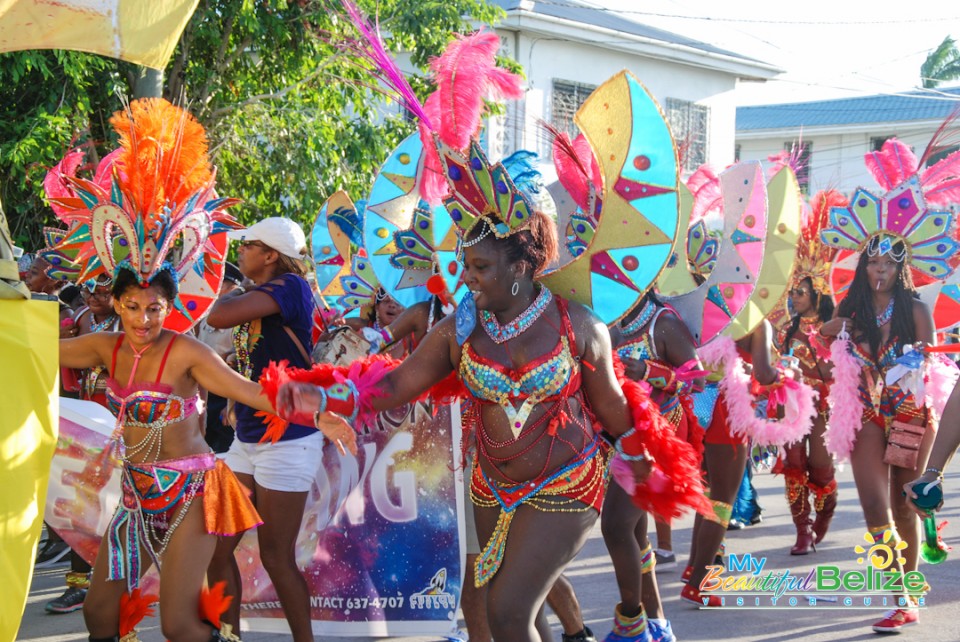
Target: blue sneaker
<point>660,630</point>
<point>626,629</point>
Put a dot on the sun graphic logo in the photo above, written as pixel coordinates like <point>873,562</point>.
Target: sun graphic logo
<point>882,553</point>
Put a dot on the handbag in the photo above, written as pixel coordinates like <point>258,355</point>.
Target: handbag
<point>903,444</point>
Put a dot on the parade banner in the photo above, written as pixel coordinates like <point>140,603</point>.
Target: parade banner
<point>28,430</point>
<point>144,32</point>
<point>382,541</point>
<point>381,545</point>
<point>84,479</point>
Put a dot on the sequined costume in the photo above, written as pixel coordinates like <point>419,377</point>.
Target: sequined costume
<point>669,396</point>
<point>158,493</point>
<point>884,404</point>
<point>804,346</point>
<point>551,380</point>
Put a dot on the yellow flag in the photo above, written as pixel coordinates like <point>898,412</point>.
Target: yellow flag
<point>28,435</point>
<point>140,31</point>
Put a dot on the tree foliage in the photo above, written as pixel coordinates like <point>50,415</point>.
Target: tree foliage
<point>942,64</point>
<point>290,117</point>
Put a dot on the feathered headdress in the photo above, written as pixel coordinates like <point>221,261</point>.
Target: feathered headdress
<point>875,224</point>
<point>703,245</point>
<point>153,207</point>
<point>814,259</point>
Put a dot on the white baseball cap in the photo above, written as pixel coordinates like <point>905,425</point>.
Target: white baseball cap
<point>278,233</point>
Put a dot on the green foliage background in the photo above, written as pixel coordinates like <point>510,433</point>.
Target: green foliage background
<point>290,119</point>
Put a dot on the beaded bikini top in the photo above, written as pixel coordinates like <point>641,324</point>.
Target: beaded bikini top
<point>642,346</point>
<point>540,380</point>
<point>800,346</point>
<point>150,405</point>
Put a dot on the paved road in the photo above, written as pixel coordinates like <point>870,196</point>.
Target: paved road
<point>592,575</point>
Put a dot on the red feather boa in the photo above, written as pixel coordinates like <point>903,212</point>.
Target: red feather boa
<point>677,460</point>
<point>365,373</point>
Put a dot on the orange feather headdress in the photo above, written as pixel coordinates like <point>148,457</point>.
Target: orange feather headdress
<point>814,258</point>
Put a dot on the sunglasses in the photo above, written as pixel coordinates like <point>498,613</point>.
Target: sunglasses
<point>799,291</point>
<point>246,244</point>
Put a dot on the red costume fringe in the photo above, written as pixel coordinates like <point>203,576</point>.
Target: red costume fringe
<point>676,459</point>
<point>213,603</point>
<point>133,608</point>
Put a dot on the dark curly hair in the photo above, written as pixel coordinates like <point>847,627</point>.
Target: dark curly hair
<point>858,305</point>
<point>536,245</point>
<point>125,279</point>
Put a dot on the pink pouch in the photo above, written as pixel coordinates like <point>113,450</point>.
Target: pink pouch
<point>903,445</point>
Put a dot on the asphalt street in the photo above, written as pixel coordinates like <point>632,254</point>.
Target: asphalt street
<point>592,576</point>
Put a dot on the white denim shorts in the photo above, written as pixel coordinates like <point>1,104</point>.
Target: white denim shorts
<point>289,466</point>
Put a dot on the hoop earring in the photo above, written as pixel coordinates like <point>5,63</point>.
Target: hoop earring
<point>515,289</point>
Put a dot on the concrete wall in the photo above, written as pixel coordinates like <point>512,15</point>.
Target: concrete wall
<point>545,60</point>
<point>837,158</point>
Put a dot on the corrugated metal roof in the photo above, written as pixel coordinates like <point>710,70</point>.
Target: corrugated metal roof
<point>914,105</point>
<point>605,19</point>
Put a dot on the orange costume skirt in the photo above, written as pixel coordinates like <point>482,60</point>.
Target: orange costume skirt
<point>156,497</point>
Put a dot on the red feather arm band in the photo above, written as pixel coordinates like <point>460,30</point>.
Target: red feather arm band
<point>675,484</point>
<point>347,391</point>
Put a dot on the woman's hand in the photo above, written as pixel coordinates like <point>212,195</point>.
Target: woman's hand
<point>634,368</point>
<point>69,329</point>
<point>928,477</point>
<point>641,470</point>
<point>833,327</point>
<point>298,402</point>
<point>338,431</point>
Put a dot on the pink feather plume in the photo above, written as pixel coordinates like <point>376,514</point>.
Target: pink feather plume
<point>577,167</point>
<point>941,378</point>
<point>466,75</point>
<point>56,187</point>
<point>892,165</point>
<point>704,184</point>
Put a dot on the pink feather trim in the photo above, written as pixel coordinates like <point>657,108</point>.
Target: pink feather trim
<point>941,378</point>
<point>797,398</point>
<point>846,410</point>
<point>941,181</point>
<point>55,185</point>
<point>704,184</point>
<point>892,165</point>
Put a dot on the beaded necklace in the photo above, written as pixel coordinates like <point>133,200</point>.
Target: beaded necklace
<point>245,338</point>
<point>887,314</point>
<point>103,325</point>
<point>513,329</point>
<point>649,308</point>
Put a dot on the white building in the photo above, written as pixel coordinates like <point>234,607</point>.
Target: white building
<point>834,135</point>
<point>567,48</point>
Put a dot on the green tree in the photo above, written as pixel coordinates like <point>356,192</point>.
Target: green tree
<point>289,115</point>
<point>942,64</point>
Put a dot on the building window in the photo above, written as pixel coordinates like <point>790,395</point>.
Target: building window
<point>736,153</point>
<point>876,142</point>
<point>801,152</point>
<point>565,102</point>
<point>937,154</point>
<point>690,123</point>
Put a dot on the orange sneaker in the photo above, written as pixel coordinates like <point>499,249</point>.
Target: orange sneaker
<point>894,621</point>
<point>692,596</point>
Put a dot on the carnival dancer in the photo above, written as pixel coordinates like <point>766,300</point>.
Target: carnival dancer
<point>655,347</point>
<point>807,465</point>
<point>177,498</point>
<point>273,322</point>
<point>884,394</point>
